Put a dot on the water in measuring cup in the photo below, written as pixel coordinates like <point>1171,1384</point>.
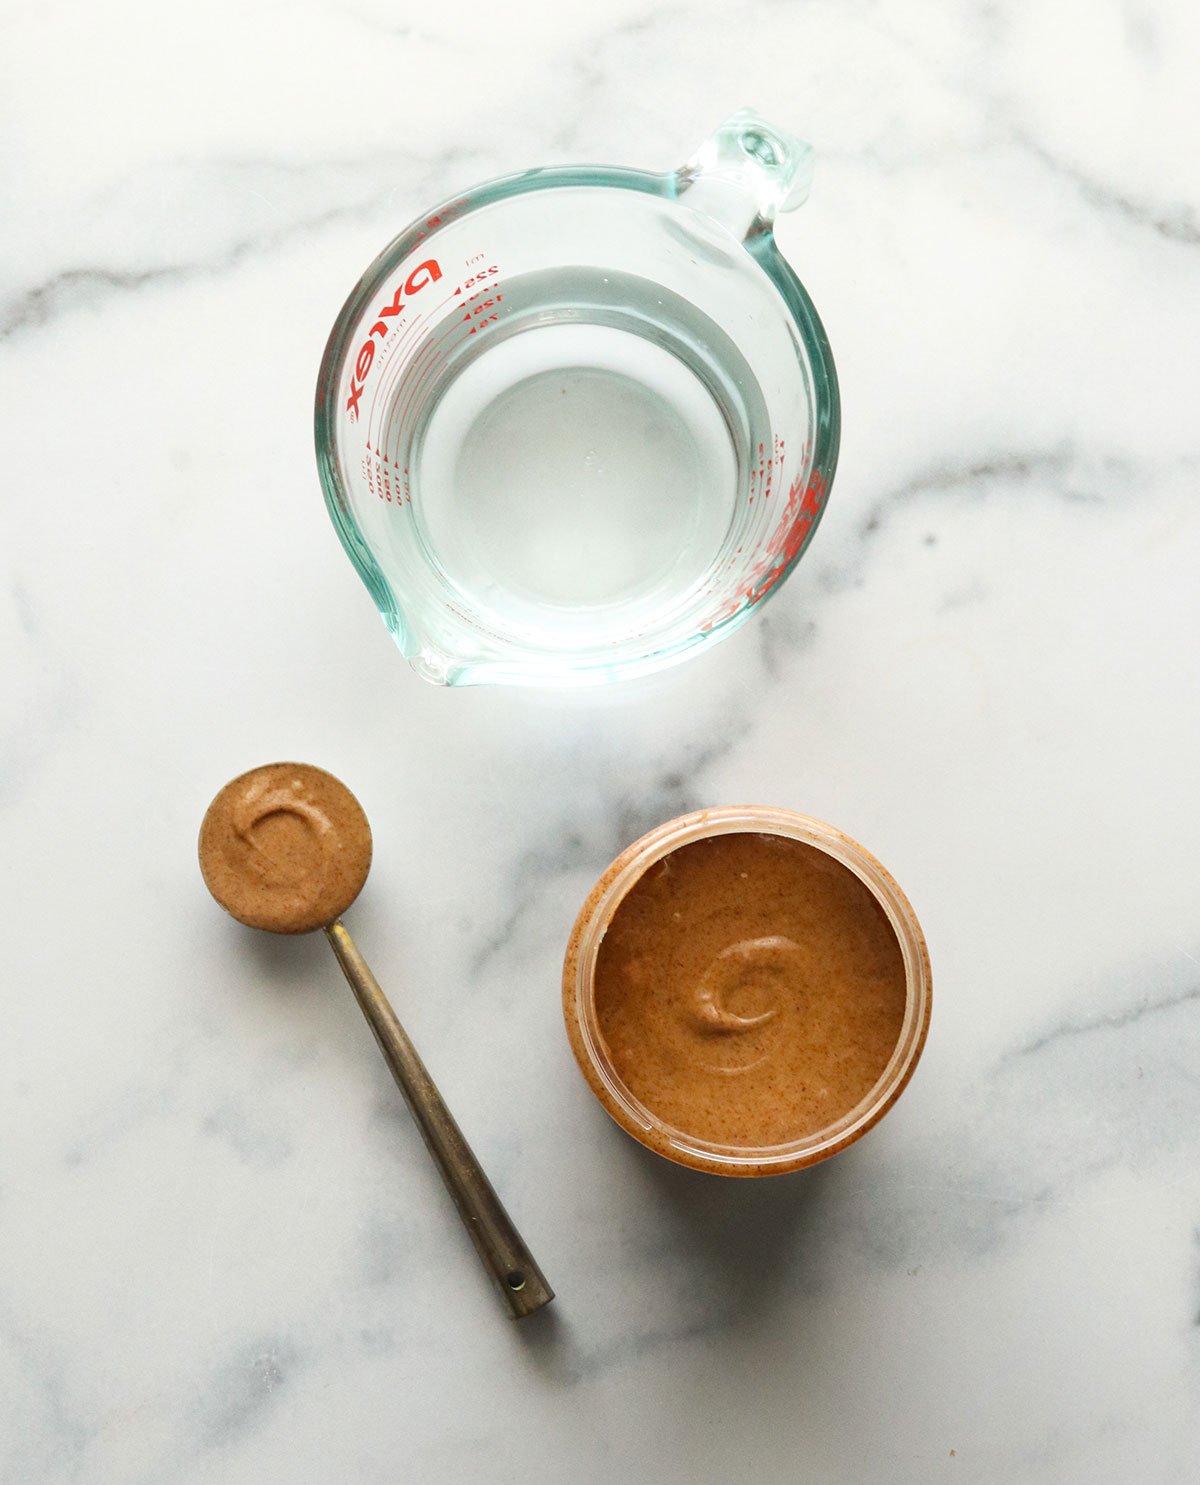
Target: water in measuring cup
<point>577,474</point>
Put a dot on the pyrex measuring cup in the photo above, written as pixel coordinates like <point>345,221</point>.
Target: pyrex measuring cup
<point>577,423</point>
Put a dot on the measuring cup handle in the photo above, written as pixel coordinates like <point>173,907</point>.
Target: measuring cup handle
<point>747,172</point>
<point>521,1282</point>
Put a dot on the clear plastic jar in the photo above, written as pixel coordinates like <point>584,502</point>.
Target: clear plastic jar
<point>587,1042</point>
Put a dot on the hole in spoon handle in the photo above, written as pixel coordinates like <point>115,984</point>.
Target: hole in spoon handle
<point>521,1282</point>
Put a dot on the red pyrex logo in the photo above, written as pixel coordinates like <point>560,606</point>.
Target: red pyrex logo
<point>424,273</point>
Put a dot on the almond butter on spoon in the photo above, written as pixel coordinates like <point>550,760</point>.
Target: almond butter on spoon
<point>287,848</point>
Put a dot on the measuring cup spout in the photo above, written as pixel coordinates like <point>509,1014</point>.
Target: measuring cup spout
<point>746,173</point>
<point>430,658</point>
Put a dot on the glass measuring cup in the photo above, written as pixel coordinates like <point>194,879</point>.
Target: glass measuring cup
<point>577,423</point>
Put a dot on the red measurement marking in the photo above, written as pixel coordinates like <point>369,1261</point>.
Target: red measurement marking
<point>481,276</point>
<point>804,503</point>
<point>378,479</point>
<point>419,354</point>
<point>403,357</point>
<point>394,372</point>
<point>763,475</point>
<point>421,377</point>
<point>395,368</point>
<point>429,354</point>
<point>395,391</point>
<point>404,329</point>
<point>399,391</point>
<point>424,273</point>
<point>421,384</point>
<point>379,403</point>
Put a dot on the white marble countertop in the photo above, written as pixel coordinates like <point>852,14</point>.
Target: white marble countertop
<point>224,1256</point>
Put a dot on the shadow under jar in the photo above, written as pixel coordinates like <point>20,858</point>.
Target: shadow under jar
<point>747,991</point>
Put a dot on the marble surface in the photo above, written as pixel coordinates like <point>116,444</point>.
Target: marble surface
<point>223,1254</point>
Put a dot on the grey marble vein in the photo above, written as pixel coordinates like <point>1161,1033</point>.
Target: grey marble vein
<point>1116,1104</point>
<point>196,184</point>
<point>24,607</point>
<point>1175,222</point>
<point>1148,1005</point>
<point>57,1421</point>
<point>781,636</point>
<point>74,286</point>
<point>964,597</point>
<point>1019,467</point>
<point>127,1109</point>
<point>250,1383</point>
<point>1062,470</point>
<point>251,1138</point>
<point>572,1361</point>
<point>668,789</point>
<point>44,694</point>
<point>592,68</point>
<point>1196,1276</point>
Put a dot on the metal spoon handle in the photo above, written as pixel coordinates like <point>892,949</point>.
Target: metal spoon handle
<point>498,1242</point>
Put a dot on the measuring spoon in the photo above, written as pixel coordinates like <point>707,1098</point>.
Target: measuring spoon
<point>287,848</point>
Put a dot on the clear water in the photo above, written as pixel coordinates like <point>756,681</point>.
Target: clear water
<point>580,471</point>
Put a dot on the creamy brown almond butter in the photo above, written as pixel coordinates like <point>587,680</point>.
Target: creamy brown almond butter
<point>285,847</point>
<point>750,990</point>
<point>747,990</point>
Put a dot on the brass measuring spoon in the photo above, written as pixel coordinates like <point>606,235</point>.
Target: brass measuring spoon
<point>287,848</point>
